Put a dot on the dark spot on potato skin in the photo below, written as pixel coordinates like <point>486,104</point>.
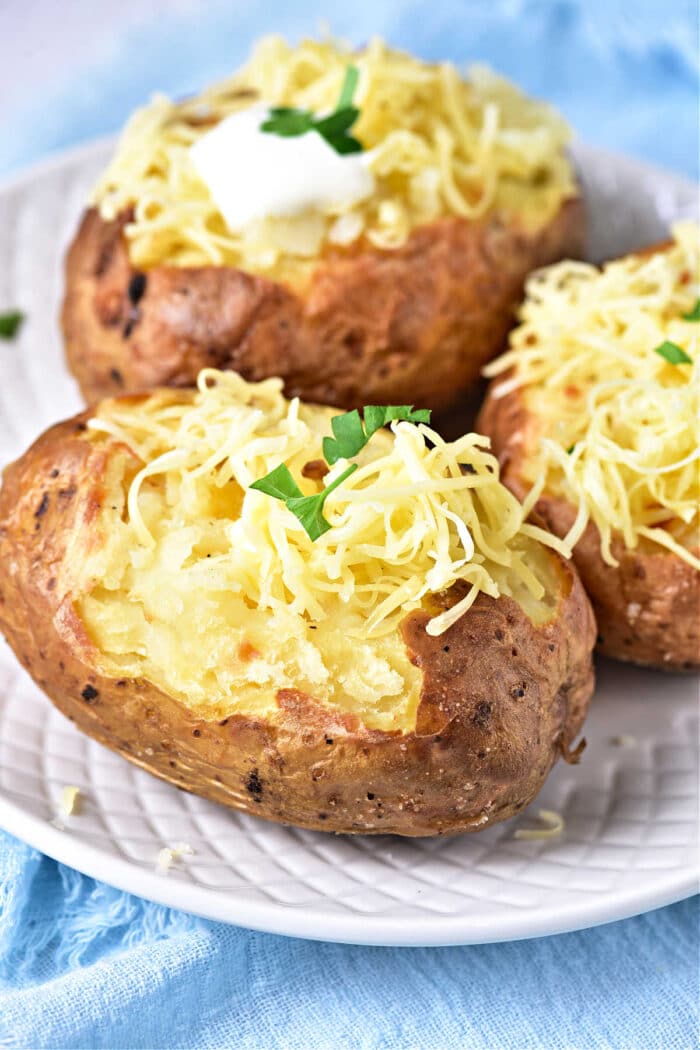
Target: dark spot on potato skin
<point>254,785</point>
<point>498,634</point>
<point>43,506</point>
<point>116,376</point>
<point>196,732</point>
<point>54,473</point>
<point>68,492</point>
<point>136,287</point>
<point>89,693</point>
<point>370,796</point>
<point>482,714</point>
<point>51,583</point>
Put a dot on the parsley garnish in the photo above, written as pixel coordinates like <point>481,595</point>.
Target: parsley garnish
<point>350,437</point>
<point>673,353</point>
<point>10,323</point>
<point>289,122</point>
<point>280,484</point>
<point>694,313</point>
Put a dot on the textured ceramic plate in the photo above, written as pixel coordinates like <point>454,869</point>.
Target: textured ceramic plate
<point>631,837</point>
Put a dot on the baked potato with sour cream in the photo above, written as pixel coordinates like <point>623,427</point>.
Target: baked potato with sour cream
<point>416,670</point>
<point>401,295</point>
<point>596,405</point>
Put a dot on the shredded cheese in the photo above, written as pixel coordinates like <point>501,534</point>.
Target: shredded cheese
<point>189,542</point>
<point>436,144</point>
<point>616,427</point>
<point>70,799</point>
<point>169,855</point>
<point>554,825</point>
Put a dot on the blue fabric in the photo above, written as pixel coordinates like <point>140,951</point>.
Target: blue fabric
<point>83,965</point>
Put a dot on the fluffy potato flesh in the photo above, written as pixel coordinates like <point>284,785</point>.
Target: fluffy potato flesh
<point>176,601</point>
<point>418,717</point>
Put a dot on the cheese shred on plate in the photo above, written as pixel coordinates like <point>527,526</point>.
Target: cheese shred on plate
<point>436,145</point>
<point>618,423</point>
<point>417,516</point>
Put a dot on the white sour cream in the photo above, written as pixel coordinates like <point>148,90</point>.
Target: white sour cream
<point>253,174</point>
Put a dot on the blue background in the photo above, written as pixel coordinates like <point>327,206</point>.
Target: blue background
<point>83,965</point>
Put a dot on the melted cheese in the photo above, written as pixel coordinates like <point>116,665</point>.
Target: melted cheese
<point>616,428</point>
<point>436,145</point>
<point>214,590</point>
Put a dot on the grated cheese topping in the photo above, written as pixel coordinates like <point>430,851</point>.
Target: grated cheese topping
<point>616,426</point>
<point>436,144</point>
<point>70,800</point>
<point>553,823</point>
<point>169,855</point>
<point>215,590</point>
<point>408,523</point>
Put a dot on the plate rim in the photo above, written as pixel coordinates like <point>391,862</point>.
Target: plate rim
<point>317,921</point>
<point>297,920</point>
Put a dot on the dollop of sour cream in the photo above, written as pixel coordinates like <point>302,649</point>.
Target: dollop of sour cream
<point>253,174</point>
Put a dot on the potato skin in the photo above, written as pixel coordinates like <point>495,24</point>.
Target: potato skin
<point>648,607</point>
<point>500,698</point>
<point>372,327</point>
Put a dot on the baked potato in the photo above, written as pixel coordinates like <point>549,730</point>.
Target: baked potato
<point>415,669</point>
<point>400,296</point>
<point>596,405</point>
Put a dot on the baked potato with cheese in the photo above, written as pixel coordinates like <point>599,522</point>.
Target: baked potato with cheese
<point>596,406</point>
<point>400,296</point>
<point>416,669</point>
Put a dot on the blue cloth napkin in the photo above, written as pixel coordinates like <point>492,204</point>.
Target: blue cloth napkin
<point>86,966</point>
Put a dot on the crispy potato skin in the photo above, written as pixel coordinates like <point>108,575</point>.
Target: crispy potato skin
<point>648,607</point>
<point>371,327</point>
<point>500,698</point>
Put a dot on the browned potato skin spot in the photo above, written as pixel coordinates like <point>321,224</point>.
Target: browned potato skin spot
<point>498,697</point>
<point>666,632</point>
<point>414,325</point>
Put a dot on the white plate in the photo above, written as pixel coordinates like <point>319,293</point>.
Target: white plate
<point>631,837</point>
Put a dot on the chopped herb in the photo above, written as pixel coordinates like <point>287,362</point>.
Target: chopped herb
<point>673,353</point>
<point>347,91</point>
<point>289,122</point>
<point>280,484</point>
<point>694,313</point>
<point>350,437</point>
<point>570,449</point>
<point>10,323</point>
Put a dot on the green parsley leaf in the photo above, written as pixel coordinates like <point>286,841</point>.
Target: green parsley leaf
<point>673,353</point>
<point>278,483</point>
<point>349,439</point>
<point>309,509</point>
<point>289,122</point>
<point>694,313</point>
<point>347,92</point>
<point>10,323</point>
<point>377,416</point>
<point>335,127</point>
<point>570,449</point>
